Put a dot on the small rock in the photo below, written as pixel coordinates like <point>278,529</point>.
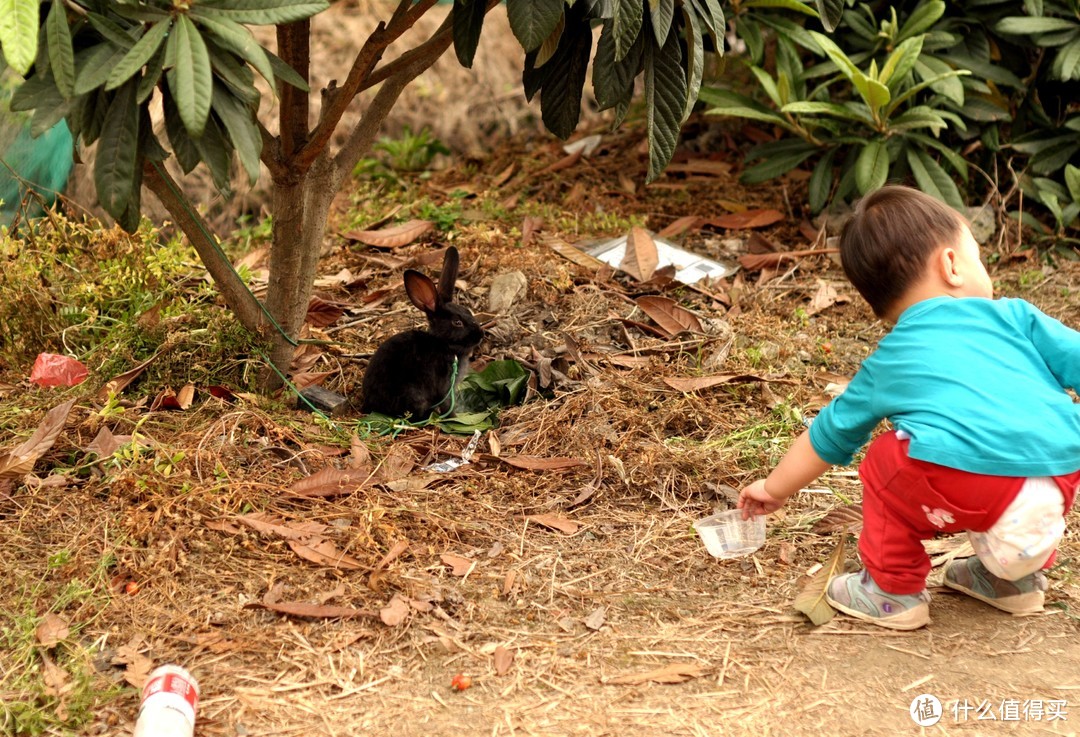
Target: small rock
<point>983,223</point>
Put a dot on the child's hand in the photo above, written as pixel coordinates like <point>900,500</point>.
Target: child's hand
<point>754,500</point>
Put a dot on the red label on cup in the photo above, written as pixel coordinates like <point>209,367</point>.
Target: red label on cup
<point>173,683</point>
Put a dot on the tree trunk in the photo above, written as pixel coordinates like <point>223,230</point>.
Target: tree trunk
<point>300,211</point>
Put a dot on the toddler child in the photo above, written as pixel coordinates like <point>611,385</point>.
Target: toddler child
<point>985,436</point>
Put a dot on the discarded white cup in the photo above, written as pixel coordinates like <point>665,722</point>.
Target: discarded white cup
<point>728,535</point>
<point>170,699</point>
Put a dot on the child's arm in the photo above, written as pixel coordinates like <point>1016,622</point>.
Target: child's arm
<point>799,466</point>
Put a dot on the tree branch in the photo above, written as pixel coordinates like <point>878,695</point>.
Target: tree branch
<point>237,296</point>
<point>294,48</point>
<point>336,100</point>
<point>271,151</point>
<point>441,38</point>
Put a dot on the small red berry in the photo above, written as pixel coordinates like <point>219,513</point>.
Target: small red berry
<point>461,682</point>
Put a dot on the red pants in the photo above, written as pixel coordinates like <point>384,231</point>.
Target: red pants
<point>906,501</point>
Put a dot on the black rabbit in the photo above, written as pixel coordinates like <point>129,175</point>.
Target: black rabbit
<point>410,372</point>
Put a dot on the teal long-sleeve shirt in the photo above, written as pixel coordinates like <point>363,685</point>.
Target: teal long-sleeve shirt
<point>978,384</point>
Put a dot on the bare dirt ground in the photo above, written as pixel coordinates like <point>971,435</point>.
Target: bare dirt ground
<point>561,630</point>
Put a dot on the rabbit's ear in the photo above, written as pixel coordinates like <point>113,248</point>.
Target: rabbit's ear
<point>421,291</point>
<point>448,276</point>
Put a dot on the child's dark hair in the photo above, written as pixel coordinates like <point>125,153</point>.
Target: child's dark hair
<point>885,246</point>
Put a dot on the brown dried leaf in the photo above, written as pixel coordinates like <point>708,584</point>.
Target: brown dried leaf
<point>264,522</point>
<point>395,612</point>
<point>120,382</point>
<point>537,463</point>
<point>138,665</point>
<point>321,314</point>
<point>394,237</point>
<point>847,519</point>
<point>504,176</point>
<point>21,460</point>
<point>673,673</point>
<point>680,226</point>
<point>323,552</point>
<point>596,619</point>
<point>564,163</point>
<point>105,443</point>
<point>185,396</point>
<point>757,243</point>
<point>555,522</point>
<point>52,629</point>
<point>397,464</point>
<point>641,258</point>
<point>335,593</point>
<point>707,167</point>
<point>305,379</point>
<point>696,383</point>
<point>331,482</point>
<point>359,455</point>
<point>459,566</point>
<point>311,611</point>
<point>760,261</point>
<point>504,659</point>
<point>669,315</point>
<point>395,551</point>
<point>747,219</point>
<point>222,525</point>
<point>529,228</point>
<point>570,253</point>
<point>825,296</point>
<point>811,599</point>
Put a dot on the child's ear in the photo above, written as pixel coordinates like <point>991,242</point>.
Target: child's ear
<point>947,266</point>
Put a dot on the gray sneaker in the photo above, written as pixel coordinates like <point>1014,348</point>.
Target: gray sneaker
<point>857,594</point>
<point>1024,596</point>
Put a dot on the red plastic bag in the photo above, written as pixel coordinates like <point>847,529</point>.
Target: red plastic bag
<point>51,369</point>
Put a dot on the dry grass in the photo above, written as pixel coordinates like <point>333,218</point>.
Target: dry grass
<point>630,591</point>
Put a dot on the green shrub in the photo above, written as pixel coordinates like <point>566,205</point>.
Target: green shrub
<point>931,93</point>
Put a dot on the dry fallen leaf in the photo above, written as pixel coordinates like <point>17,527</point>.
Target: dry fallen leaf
<point>321,314</point>
<point>747,219</point>
<point>555,522</point>
<point>52,629</point>
<point>21,460</point>
<point>504,658</point>
<point>396,550</point>
<point>847,518</point>
<point>537,463</point>
<point>311,611</point>
<point>596,618</point>
<point>459,566</point>
<point>825,296</point>
<point>138,665</point>
<point>640,259</point>
<point>394,237</point>
<point>395,612</point>
<point>674,673</point>
<point>105,443</point>
<point>569,252</point>
<point>680,226</point>
<point>696,383</point>
<point>811,599</point>
<point>120,382</point>
<point>331,482</point>
<point>669,315</point>
<point>397,464</point>
<point>324,553</point>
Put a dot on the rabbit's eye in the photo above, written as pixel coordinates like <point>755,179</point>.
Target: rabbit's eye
<point>456,323</point>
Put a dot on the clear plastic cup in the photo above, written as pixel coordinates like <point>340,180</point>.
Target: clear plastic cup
<point>728,535</point>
